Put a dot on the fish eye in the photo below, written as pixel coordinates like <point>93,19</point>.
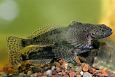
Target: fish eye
<point>92,34</point>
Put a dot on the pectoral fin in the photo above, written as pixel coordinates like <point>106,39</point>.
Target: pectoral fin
<point>80,40</point>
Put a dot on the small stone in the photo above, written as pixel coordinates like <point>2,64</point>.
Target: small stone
<point>81,72</point>
<point>39,74</point>
<point>32,75</point>
<point>49,73</point>
<point>54,72</point>
<point>29,73</point>
<point>57,64</point>
<point>112,74</point>
<point>71,74</point>
<point>59,74</point>
<point>53,67</point>
<point>78,75</point>
<point>78,68</point>
<point>65,65</point>
<point>85,67</point>
<point>58,69</point>
<point>66,75</point>
<point>61,61</point>
<point>77,60</point>
<point>44,76</point>
<point>92,70</point>
<point>70,65</point>
<point>103,73</point>
<point>22,74</point>
<point>87,74</point>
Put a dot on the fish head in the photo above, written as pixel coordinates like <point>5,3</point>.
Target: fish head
<point>100,31</point>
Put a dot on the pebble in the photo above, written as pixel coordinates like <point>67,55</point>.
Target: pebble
<point>92,70</point>
<point>78,68</point>
<point>29,73</point>
<point>66,75</point>
<point>85,67</point>
<point>71,73</point>
<point>87,74</point>
<point>77,60</point>
<point>32,75</point>
<point>35,75</point>
<point>22,75</point>
<point>81,72</point>
<point>78,75</point>
<point>57,64</point>
<point>103,73</point>
<point>49,73</point>
<point>44,76</point>
<point>58,69</point>
<point>39,74</point>
<point>53,67</point>
<point>65,65</point>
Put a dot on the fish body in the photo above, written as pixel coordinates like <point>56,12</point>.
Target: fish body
<point>67,42</point>
<point>76,34</point>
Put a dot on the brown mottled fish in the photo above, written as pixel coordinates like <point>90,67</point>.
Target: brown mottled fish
<point>66,42</point>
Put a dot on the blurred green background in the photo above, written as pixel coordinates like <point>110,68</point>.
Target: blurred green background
<point>22,17</point>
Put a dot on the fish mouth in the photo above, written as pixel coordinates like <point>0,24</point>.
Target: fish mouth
<point>109,32</point>
<point>106,34</point>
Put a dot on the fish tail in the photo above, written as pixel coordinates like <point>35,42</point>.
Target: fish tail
<point>15,44</point>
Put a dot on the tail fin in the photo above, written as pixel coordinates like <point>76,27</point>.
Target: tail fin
<point>14,47</point>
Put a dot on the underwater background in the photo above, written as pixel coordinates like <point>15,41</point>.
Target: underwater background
<point>22,17</point>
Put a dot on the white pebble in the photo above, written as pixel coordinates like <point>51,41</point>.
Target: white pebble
<point>49,72</point>
<point>87,74</point>
<point>29,73</point>
<point>81,72</point>
<point>53,67</point>
<point>22,74</point>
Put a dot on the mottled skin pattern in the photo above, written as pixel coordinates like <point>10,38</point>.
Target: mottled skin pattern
<point>67,42</point>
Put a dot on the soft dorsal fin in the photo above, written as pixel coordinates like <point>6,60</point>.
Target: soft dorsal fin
<point>75,23</point>
<point>41,30</point>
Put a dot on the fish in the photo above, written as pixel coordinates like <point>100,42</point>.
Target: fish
<point>66,42</point>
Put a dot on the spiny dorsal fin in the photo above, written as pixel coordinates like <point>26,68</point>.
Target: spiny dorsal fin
<point>41,30</point>
<point>75,23</point>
